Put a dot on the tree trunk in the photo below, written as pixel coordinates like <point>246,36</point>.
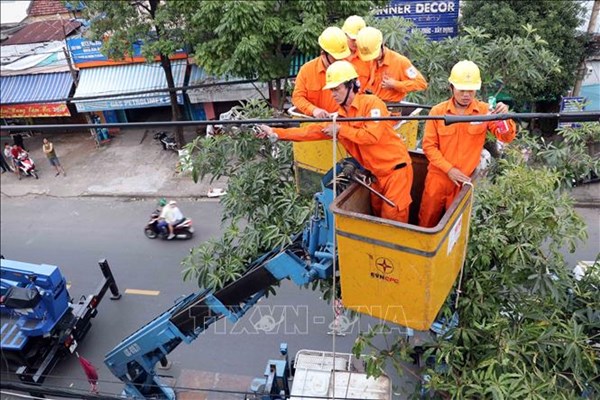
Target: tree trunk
<point>166,66</point>
<point>590,30</point>
<point>176,111</point>
<point>280,89</point>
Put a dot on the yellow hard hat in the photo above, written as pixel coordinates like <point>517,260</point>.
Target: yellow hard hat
<point>333,40</point>
<point>353,25</point>
<point>368,42</point>
<point>338,73</point>
<point>465,76</point>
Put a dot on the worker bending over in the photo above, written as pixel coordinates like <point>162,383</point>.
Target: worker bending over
<point>308,95</point>
<point>374,144</point>
<point>454,150</point>
<point>392,75</point>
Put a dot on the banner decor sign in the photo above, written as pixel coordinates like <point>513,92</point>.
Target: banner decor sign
<point>438,20</point>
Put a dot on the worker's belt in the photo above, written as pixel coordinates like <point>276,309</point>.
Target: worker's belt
<point>400,166</point>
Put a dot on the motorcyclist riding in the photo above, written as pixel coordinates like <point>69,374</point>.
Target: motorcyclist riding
<point>173,216</point>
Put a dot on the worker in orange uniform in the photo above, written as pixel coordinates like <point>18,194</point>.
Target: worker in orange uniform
<point>351,27</point>
<point>392,75</point>
<point>374,144</point>
<point>309,96</point>
<point>454,150</point>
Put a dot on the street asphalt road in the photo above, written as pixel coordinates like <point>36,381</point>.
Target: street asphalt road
<point>75,233</point>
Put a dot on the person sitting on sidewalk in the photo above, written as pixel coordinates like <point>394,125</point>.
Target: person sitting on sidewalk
<point>172,215</point>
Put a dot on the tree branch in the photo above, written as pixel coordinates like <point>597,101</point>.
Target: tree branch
<point>140,3</point>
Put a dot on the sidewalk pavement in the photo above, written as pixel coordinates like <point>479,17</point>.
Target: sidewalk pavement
<point>132,165</point>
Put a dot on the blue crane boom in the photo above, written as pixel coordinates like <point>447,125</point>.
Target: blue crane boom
<point>309,257</point>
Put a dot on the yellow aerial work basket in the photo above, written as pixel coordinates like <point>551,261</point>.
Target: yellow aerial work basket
<point>313,159</point>
<point>398,272</point>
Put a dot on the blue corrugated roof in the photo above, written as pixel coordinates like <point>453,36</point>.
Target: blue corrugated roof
<point>125,79</point>
<point>35,88</point>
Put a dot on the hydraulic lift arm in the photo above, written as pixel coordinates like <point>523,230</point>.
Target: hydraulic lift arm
<point>309,257</point>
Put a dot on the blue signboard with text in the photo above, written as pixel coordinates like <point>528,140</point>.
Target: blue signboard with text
<point>436,19</point>
<point>84,50</point>
<point>571,104</point>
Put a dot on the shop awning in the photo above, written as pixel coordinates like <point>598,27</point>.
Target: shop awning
<point>124,79</point>
<point>25,96</point>
<point>226,91</point>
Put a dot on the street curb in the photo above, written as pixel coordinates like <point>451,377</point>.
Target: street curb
<point>147,196</point>
<point>577,204</point>
<point>116,196</point>
<point>586,204</point>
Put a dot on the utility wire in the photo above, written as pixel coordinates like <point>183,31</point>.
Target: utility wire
<point>582,116</point>
<point>135,93</point>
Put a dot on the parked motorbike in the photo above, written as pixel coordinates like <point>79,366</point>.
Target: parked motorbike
<point>166,140</point>
<point>26,165</point>
<point>157,228</point>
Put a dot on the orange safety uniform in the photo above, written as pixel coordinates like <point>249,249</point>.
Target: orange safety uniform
<point>376,146</point>
<point>395,66</point>
<point>453,146</point>
<point>308,90</point>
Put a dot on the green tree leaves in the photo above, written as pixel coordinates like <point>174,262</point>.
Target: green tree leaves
<point>555,21</point>
<point>262,210</point>
<point>257,39</point>
<point>519,64</point>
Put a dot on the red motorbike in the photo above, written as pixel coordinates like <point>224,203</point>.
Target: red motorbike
<point>26,165</point>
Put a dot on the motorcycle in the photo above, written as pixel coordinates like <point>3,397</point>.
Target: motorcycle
<point>26,165</point>
<point>158,228</point>
<point>166,140</point>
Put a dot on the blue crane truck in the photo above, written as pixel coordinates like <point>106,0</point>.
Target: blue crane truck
<point>40,322</point>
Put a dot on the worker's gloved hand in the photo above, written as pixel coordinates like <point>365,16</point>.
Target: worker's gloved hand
<point>265,131</point>
<point>320,113</point>
<point>457,176</point>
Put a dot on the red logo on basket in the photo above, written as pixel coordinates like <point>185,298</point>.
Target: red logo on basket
<point>385,267</point>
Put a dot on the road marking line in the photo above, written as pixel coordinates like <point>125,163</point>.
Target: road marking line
<point>143,292</point>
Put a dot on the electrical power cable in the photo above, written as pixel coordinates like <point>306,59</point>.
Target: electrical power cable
<point>583,116</point>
